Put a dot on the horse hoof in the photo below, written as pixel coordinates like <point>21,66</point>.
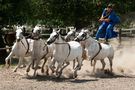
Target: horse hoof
<point>14,70</point>
<point>24,66</point>
<point>74,76</point>
<point>47,72</point>
<point>57,75</point>
<point>39,67</point>
<point>42,70</point>
<point>27,74</point>
<point>108,72</point>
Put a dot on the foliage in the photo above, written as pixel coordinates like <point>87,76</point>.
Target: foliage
<point>79,13</point>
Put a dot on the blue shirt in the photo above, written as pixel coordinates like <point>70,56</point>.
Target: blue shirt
<point>112,16</point>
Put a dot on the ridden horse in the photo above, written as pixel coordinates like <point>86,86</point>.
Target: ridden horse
<point>21,48</point>
<point>96,50</point>
<point>65,52</point>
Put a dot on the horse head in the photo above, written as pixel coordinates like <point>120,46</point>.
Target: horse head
<point>53,36</point>
<point>37,30</point>
<point>19,34</point>
<point>83,35</point>
<point>70,35</point>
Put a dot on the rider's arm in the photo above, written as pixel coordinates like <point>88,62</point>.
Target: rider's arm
<point>102,18</point>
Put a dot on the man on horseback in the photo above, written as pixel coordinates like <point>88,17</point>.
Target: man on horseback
<point>109,19</point>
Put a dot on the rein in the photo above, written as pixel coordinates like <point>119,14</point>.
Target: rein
<point>28,46</point>
<point>100,47</point>
<point>25,46</point>
<point>46,52</point>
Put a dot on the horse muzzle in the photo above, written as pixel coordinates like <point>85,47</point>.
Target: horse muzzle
<point>49,42</point>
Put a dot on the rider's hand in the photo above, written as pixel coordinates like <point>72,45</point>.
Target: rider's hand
<point>101,20</point>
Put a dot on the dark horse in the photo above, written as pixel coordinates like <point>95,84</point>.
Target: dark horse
<point>3,52</point>
<point>9,38</point>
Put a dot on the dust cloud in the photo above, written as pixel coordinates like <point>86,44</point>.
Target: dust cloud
<point>124,59</point>
<point>123,62</point>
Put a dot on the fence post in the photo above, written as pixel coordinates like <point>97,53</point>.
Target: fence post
<point>119,35</point>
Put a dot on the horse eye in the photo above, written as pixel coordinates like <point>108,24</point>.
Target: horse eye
<point>83,34</point>
<point>56,36</point>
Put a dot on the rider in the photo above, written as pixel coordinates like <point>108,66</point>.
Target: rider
<point>109,19</point>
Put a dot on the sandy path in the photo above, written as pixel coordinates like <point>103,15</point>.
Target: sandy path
<point>123,79</point>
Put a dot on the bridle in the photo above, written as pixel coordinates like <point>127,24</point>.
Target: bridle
<point>20,40</point>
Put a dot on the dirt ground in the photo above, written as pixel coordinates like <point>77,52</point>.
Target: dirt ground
<point>123,78</point>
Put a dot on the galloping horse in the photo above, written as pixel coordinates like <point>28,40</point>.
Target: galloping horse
<point>70,37</point>
<point>40,51</point>
<point>65,52</point>
<point>21,48</point>
<point>96,50</point>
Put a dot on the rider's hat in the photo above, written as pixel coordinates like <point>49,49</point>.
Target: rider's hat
<point>110,5</point>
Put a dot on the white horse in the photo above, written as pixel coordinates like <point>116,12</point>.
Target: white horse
<point>65,52</point>
<point>40,51</point>
<point>71,34</point>
<point>21,48</point>
<point>96,50</point>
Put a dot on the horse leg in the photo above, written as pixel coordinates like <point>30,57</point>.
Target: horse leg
<point>19,64</point>
<point>47,70</point>
<point>28,68</point>
<point>60,72</point>
<point>51,66</point>
<point>78,67</point>
<point>59,69</point>
<point>24,61</point>
<point>7,63</point>
<point>74,64</point>
<point>36,67</point>
<point>10,62</point>
<point>103,64</point>
<point>111,63</point>
<point>42,68</point>
<point>94,64</point>
<point>29,65</point>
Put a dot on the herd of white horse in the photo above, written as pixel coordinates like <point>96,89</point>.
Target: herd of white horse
<point>59,51</point>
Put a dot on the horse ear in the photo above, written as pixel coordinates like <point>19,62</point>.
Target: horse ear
<point>82,30</point>
<point>54,30</point>
<point>89,32</point>
<point>86,30</point>
<point>59,30</point>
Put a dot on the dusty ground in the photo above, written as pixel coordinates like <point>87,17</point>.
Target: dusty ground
<point>123,78</point>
